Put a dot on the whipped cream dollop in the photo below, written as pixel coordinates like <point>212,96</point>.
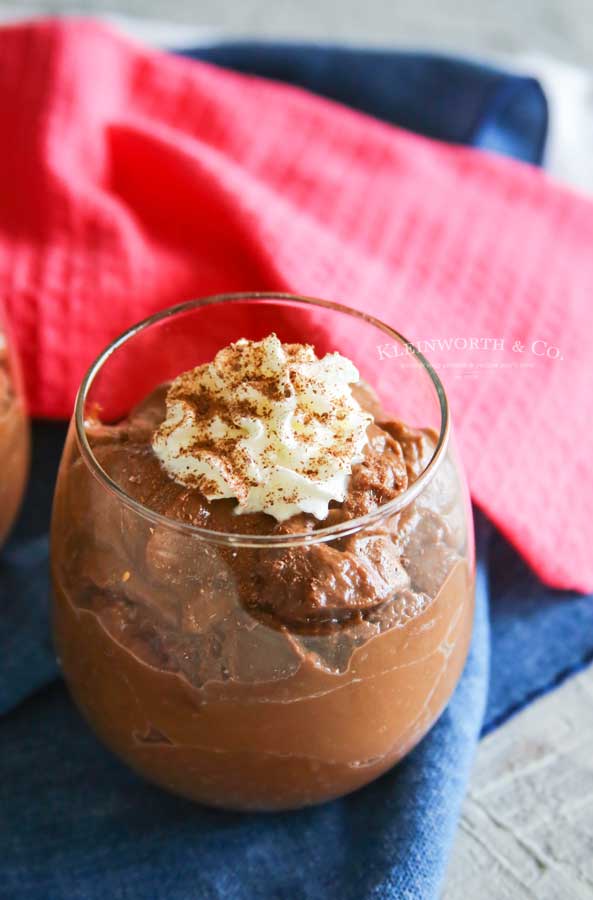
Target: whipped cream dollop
<point>267,423</point>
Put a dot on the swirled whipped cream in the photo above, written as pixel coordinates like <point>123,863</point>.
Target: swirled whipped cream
<point>267,423</point>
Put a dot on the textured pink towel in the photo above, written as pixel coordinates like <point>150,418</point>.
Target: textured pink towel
<point>131,180</point>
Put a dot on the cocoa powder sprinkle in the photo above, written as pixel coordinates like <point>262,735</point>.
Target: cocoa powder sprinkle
<point>258,410</point>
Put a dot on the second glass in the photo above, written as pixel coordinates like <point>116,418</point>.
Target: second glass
<point>14,433</point>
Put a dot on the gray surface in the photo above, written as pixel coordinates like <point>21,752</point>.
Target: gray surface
<point>561,28</point>
<point>527,825</point>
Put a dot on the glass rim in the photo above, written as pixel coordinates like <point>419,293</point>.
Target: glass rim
<point>321,535</point>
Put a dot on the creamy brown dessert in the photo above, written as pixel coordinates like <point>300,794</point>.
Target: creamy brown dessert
<point>14,445</point>
<point>260,676</point>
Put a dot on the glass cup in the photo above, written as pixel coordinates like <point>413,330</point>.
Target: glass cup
<point>14,433</point>
<point>179,643</point>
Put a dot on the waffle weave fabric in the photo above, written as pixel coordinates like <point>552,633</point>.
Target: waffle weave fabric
<point>133,179</point>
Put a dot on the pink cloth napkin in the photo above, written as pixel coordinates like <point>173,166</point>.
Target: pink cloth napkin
<point>131,180</point>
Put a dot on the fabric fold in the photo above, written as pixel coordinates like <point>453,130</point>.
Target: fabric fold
<point>462,101</point>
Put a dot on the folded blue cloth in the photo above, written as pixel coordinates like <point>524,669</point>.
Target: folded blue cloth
<point>76,823</point>
<point>438,96</point>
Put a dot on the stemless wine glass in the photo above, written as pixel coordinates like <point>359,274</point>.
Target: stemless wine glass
<point>172,637</point>
<point>14,432</point>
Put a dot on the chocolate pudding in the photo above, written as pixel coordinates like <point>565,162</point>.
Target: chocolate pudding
<point>14,445</point>
<point>233,670</point>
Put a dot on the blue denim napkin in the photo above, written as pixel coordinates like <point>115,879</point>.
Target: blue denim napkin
<point>77,824</point>
<point>438,96</point>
